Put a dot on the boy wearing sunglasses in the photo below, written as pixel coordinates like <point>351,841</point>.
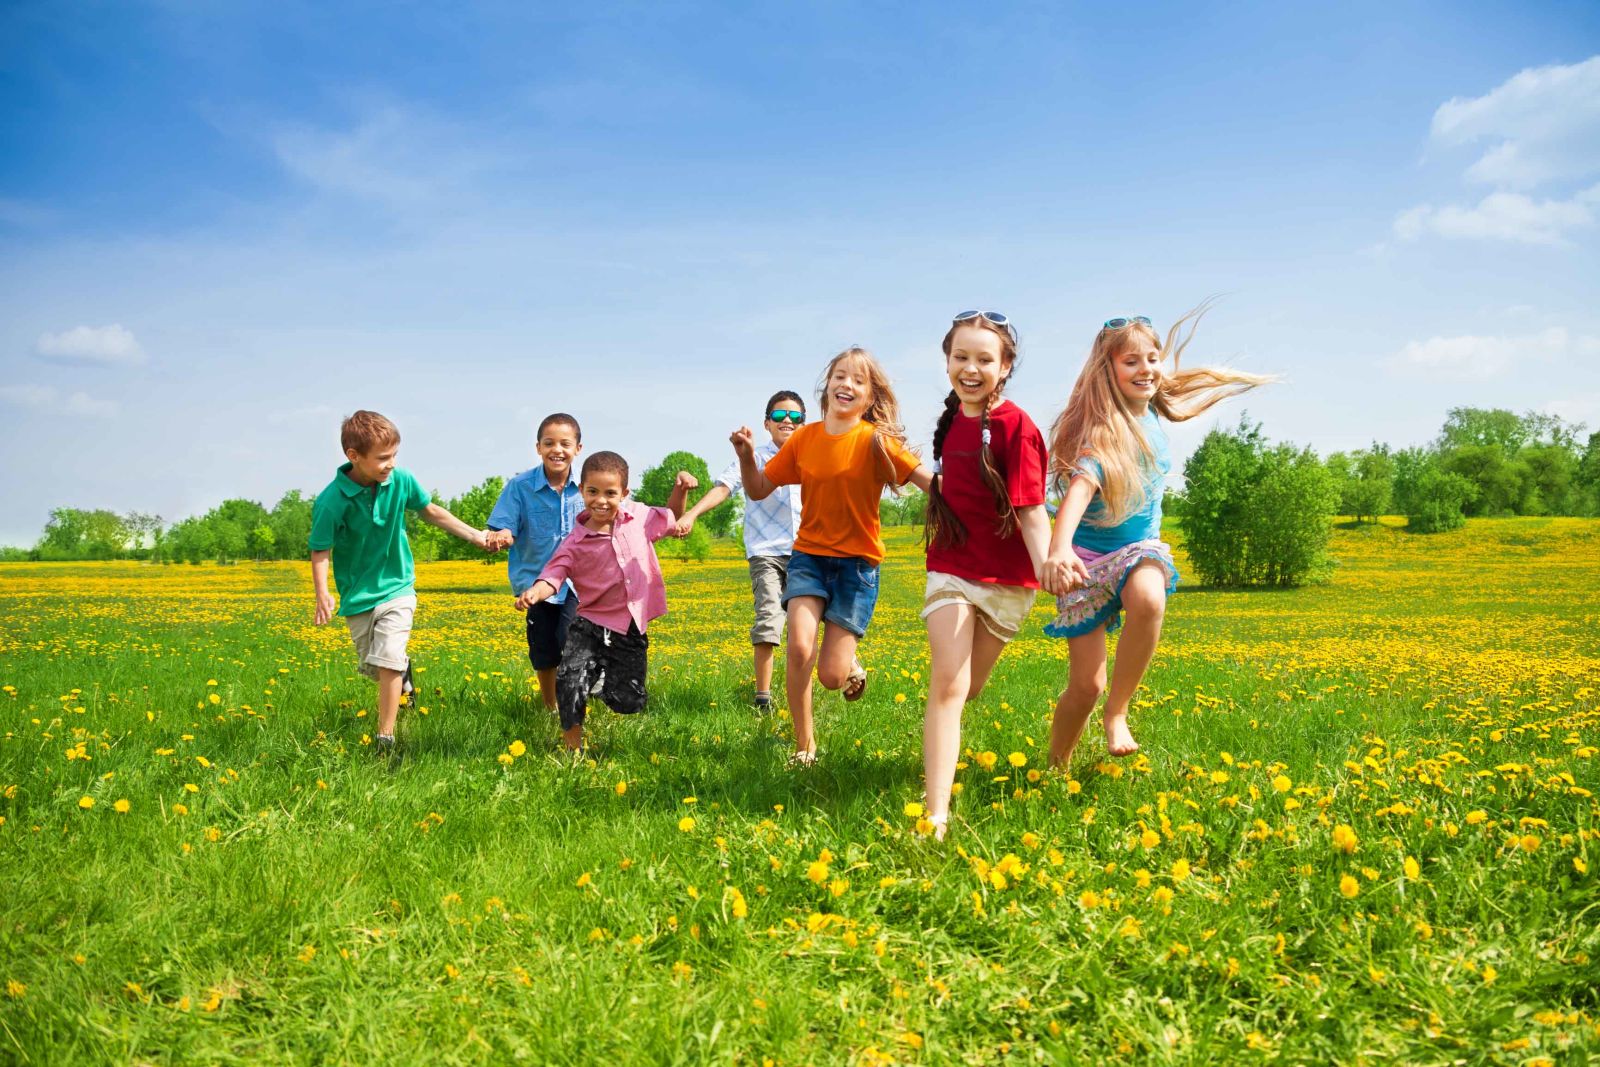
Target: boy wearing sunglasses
<point>769,529</point>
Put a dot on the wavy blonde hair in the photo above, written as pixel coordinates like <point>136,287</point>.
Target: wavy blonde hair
<point>1097,422</point>
<point>883,411</point>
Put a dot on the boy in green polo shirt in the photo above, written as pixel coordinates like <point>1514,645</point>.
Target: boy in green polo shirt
<point>360,521</point>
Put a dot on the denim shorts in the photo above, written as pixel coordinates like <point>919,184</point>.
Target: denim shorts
<point>847,585</point>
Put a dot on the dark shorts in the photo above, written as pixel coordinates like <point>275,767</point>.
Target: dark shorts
<point>547,631</point>
<point>848,587</point>
<point>594,654</point>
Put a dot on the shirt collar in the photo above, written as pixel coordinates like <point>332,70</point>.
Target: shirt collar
<point>541,480</point>
<point>349,486</point>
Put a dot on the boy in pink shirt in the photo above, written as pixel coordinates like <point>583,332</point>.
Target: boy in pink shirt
<point>610,558</point>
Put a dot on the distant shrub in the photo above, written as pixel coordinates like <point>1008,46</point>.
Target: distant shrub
<point>1253,513</point>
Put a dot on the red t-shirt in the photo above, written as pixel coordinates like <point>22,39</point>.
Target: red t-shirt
<point>1019,456</point>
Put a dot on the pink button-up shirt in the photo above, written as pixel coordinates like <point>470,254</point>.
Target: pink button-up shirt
<point>616,574</point>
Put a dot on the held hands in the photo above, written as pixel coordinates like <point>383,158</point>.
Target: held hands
<point>685,525</point>
<point>1059,575</point>
<point>495,540</point>
<point>325,608</point>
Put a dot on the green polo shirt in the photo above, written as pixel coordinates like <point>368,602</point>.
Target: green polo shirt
<point>365,525</point>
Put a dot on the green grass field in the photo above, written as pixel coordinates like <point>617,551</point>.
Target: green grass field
<point>1363,829</point>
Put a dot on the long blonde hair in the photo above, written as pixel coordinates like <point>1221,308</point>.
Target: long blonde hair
<point>1097,423</point>
<point>883,412</point>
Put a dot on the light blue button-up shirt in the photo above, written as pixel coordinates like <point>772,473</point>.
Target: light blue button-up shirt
<point>539,516</point>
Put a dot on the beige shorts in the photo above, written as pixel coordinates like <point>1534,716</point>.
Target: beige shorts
<point>767,577</point>
<point>1002,608</point>
<point>381,635</point>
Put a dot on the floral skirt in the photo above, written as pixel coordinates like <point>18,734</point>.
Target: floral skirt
<point>1098,602</point>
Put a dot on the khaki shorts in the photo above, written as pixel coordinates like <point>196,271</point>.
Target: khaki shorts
<point>1002,608</point>
<point>767,577</point>
<point>381,635</point>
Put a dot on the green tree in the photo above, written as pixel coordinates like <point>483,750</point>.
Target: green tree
<point>1547,475</point>
<point>1371,488</point>
<point>290,520</point>
<point>1342,469</point>
<point>1484,427</point>
<point>1586,477</point>
<point>262,542</point>
<point>1497,482</point>
<point>1255,514</point>
<point>63,534</point>
<point>473,508</point>
<point>696,547</point>
<point>655,488</point>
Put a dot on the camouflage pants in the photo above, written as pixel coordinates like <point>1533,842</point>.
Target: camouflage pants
<point>595,655</point>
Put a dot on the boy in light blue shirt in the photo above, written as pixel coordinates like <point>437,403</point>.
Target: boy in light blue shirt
<point>535,513</point>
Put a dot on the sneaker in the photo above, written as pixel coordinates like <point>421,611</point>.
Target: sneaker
<point>763,705</point>
<point>386,750</point>
<point>405,680</point>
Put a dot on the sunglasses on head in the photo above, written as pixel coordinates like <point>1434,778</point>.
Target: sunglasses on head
<point>993,316</point>
<point>796,417</point>
<point>1119,323</point>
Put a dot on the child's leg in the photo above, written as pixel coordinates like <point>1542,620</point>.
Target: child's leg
<point>837,657</point>
<point>764,657</point>
<point>547,687</point>
<point>950,635</point>
<point>1086,680</point>
<point>388,699</point>
<point>805,615</point>
<point>627,665</point>
<point>548,625</point>
<point>1144,599</point>
<point>986,649</point>
<point>581,664</point>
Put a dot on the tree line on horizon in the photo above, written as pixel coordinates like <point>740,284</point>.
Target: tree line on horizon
<point>1485,462</point>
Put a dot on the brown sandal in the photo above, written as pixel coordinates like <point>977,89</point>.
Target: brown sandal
<point>855,684</point>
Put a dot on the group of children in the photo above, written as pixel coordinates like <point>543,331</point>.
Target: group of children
<point>583,566</point>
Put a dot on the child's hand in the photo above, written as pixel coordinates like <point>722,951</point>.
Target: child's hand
<point>524,599</point>
<point>686,481</point>
<point>743,441</point>
<point>685,525</point>
<point>495,540</point>
<point>325,608</point>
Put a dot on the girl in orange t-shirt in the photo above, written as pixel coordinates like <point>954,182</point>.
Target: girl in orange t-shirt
<point>841,465</point>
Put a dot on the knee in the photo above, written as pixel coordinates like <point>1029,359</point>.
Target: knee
<point>833,677</point>
<point>1087,686</point>
<point>1144,600</point>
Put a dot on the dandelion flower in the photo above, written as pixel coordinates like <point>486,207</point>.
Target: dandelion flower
<point>86,803</point>
<point>1180,870</point>
<point>686,823</point>
<point>1349,887</point>
<point>122,806</point>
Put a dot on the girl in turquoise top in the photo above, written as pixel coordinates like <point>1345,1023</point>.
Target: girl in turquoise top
<point>1106,554</point>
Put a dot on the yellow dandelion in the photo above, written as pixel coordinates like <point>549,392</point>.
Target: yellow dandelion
<point>1017,759</point>
<point>517,749</point>
<point>686,823</point>
<point>1180,870</point>
<point>122,807</point>
<point>86,803</point>
<point>1349,887</point>
<point>1282,784</point>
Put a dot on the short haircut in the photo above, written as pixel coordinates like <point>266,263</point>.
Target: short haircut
<point>783,394</point>
<point>366,430</point>
<point>605,463</point>
<point>559,418</point>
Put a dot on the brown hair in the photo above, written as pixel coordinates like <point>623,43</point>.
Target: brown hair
<point>366,430</point>
<point>1097,423</point>
<point>605,463</point>
<point>943,527</point>
<point>883,412</point>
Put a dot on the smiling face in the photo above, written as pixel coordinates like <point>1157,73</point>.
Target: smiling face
<point>1136,369</point>
<point>976,366</point>
<point>558,446</point>
<point>848,390</point>
<point>603,494</point>
<point>374,467</point>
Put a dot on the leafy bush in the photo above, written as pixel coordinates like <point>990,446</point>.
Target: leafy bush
<point>1255,514</point>
<point>1433,499</point>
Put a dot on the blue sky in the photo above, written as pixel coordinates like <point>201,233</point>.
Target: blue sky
<point>223,226</point>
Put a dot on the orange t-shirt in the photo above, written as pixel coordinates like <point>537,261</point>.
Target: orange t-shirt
<point>839,488</point>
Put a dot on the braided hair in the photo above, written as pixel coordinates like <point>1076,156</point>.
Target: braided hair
<point>943,528</point>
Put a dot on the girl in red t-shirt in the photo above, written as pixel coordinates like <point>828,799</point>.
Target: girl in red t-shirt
<point>987,535</point>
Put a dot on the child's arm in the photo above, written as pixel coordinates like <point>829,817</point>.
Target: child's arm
<point>536,593</point>
<point>680,493</point>
<point>756,484</point>
<point>434,515</point>
<point>319,582</point>
<point>1033,524</point>
<point>714,496</point>
<point>922,477</point>
<point>1063,569</point>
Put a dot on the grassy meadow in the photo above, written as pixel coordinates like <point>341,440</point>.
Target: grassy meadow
<point>1362,829</point>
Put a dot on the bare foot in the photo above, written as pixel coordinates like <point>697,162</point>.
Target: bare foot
<point>941,826</point>
<point>1119,739</point>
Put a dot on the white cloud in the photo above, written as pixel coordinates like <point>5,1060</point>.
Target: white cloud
<point>112,345</point>
<point>1472,357</point>
<point>1580,407</point>
<point>54,402</point>
<point>1503,216</point>
<point>1542,125</point>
